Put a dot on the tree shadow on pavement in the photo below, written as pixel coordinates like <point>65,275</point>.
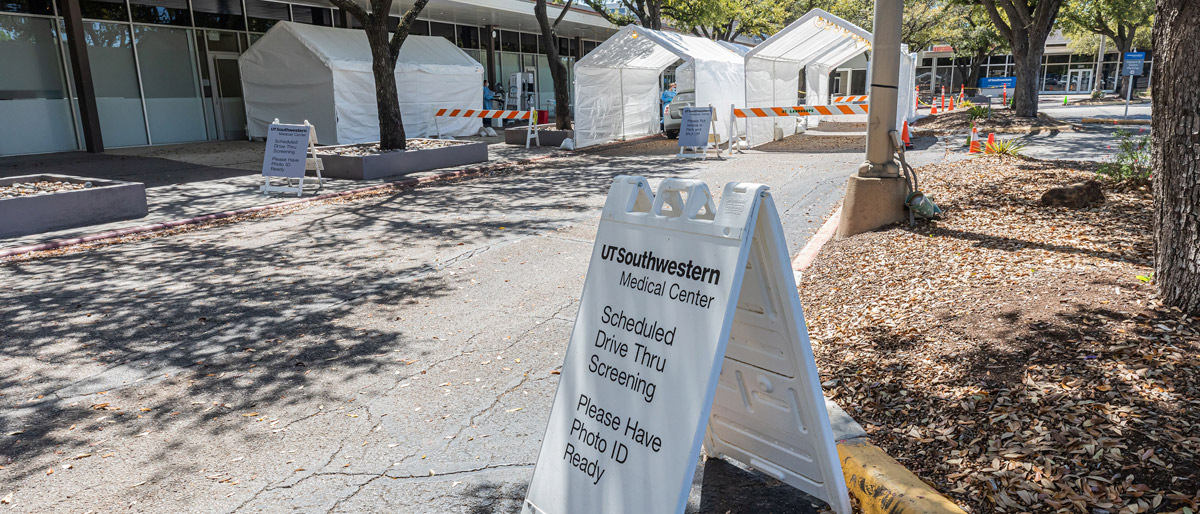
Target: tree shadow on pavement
<point>187,333</point>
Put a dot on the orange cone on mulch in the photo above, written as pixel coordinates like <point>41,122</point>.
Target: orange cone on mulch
<point>975,141</point>
<point>933,109</point>
<point>952,103</point>
<point>991,143</point>
<point>904,137</point>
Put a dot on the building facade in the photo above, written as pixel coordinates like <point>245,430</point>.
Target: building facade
<point>1062,72</point>
<point>166,71</point>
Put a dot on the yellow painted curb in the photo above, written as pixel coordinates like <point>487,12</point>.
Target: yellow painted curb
<point>883,486</point>
<point>1112,121</point>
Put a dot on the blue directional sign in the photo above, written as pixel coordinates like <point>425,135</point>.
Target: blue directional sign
<point>990,82</point>
<point>1133,63</point>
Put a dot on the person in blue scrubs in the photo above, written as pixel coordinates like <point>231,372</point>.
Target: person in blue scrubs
<point>488,96</point>
<point>667,95</point>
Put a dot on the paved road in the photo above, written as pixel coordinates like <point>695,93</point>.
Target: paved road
<point>392,354</point>
<point>1094,142</point>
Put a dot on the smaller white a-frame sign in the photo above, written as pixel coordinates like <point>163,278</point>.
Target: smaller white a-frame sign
<point>689,330</point>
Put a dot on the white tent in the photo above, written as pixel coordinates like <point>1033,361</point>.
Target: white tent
<point>685,77</point>
<point>817,43</point>
<point>298,72</point>
<point>617,89</point>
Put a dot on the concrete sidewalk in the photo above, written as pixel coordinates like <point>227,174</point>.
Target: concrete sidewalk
<point>183,181</point>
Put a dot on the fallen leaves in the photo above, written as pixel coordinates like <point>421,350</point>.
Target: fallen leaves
<point>1008,354</point>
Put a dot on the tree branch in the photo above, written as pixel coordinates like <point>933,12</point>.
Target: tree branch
<point>561,14</point>
<point>353,8</point>
<point>402,31</point>
<point>994,14</point>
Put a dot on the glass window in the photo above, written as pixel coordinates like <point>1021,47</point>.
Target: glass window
<point>114,76</point>
<point>545,84</point>
<point>468,37</point>
<point>113,10</point>
<point>167,59</point>
<point>27,6</point>
<point>928,61</point>
<point>164,12</point>
<point>445,30</point>
<point>33,90</point>
<point>998,59</point>
<point>418,28</point>
<point>588,46</point>
<point>924,77</point>
<point>509,64</point>
<point>1058,59</point>
<point>261,14</point>
<point>218,14</point>
<point>529,43</point>
<point>943,61</point>
<point>510,41</point>
<point>312,15</point>
<point>222,41</point>
<point>1054,78</point>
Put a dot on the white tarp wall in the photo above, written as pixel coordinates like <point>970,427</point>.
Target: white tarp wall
<point>685,76</point>
<point>617,89</point>
<point>817,43</point>
<point>298,72</point>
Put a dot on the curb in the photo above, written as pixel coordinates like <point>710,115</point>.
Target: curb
<point>879,483</point>
<point>998,130</point>
<point>1111,121</point>
<point>402,184</point>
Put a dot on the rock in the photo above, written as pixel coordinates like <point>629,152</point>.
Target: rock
<point>1075,196</point>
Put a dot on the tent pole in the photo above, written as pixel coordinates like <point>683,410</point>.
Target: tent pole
<point>621,88</point>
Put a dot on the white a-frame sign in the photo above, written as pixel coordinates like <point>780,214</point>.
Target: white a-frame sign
<point>689,319</point>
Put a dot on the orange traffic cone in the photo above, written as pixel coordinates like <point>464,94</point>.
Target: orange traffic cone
<point>917,98</point>
<point>951,103</point>
<point>974,141</point>
<point>933,109</point>
<point>991,144</point>
<point>904,137</point>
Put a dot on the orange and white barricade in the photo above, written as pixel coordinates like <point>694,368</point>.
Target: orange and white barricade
<point>850,99</point>
<point>531,133</point>
<point>790,112</point>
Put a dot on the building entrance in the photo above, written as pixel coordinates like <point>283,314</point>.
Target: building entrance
<point>1079,81</point>
<point>226,94</point>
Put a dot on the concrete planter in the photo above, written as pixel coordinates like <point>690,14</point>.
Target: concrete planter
<point>105,201</point>
<point>547,136</point>
<point>390,164</point>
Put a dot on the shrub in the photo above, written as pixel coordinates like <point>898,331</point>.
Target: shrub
<point>1004,148</point>
<point>966,104</point>
<point>1097,94</point>
<point>1131,165</point>
<point>977,112</point>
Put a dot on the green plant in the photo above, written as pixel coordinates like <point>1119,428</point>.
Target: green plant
<point>1004,148</point>
<point>977,112</point>
<point>966,104</point>
<point>1132,164</point>
<point>1097,94</point>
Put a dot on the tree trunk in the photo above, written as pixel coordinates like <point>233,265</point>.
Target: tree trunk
<point>1123,46</point>
<point>1175,128</point>
<point>558,71</point>
<point>383,66</point>
<point>1027,57</point>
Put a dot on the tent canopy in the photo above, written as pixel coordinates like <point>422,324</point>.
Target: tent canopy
<point>817,43</point>
<point>617,87</point>
<point>298,72</point>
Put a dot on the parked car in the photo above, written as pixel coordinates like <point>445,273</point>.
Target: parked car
<point>673,115</point>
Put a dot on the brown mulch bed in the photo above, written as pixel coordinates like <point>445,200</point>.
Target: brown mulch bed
<point>1001,119</point>
<point>373,148</point>
<point>1009,354</point>
<point>1109,100</point>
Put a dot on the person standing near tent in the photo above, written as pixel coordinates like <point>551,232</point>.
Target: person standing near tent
<point>488,96</point>
<point>667,95</point>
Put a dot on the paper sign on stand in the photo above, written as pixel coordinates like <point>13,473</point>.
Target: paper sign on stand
<point>694,131</point>
<point>287,156</point>
<point>689,324</point>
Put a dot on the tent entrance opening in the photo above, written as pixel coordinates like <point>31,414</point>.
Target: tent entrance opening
<point>227,95</point>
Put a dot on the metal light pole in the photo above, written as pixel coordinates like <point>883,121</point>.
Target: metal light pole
<point>875,194</point>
